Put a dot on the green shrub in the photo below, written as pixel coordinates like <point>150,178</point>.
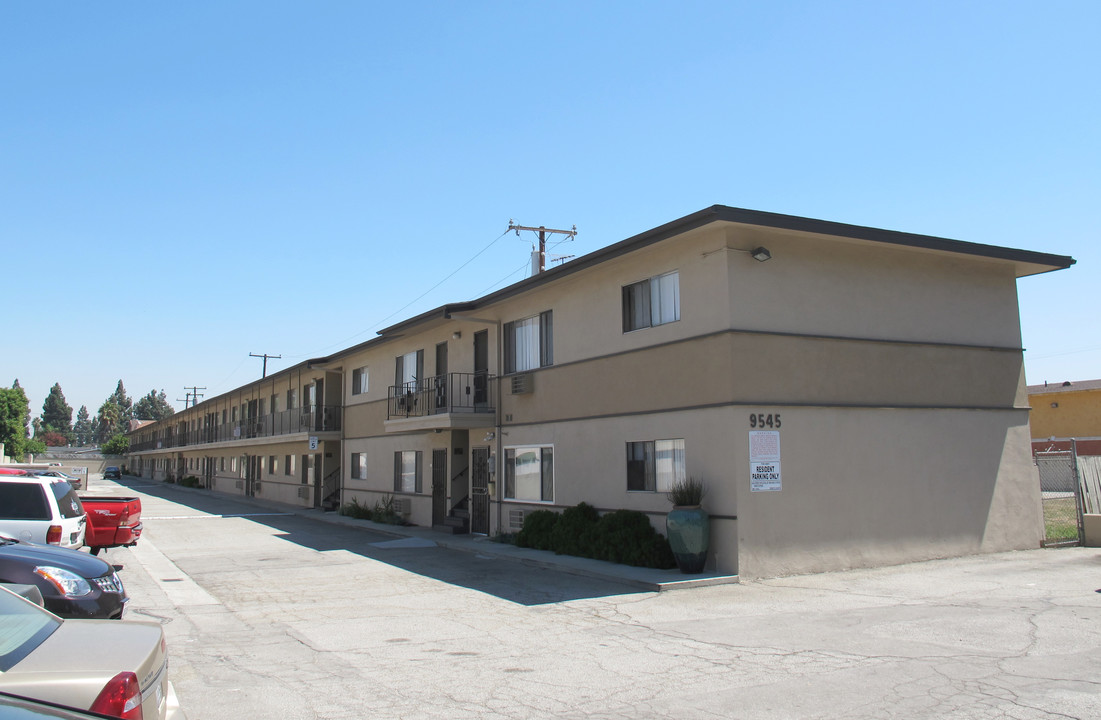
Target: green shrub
<point>381,512</point>
<point>626,536</point>
<point>190,481</point>
<point>573,533</point>
<point>538,530</point>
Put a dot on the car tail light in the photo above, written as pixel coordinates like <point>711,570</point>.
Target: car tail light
<point>120,698</point>
<point>53,535</point>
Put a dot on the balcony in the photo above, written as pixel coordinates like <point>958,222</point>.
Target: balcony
<point>454,400</point>
<point>314,419</point>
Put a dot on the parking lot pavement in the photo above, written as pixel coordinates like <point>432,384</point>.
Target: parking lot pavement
<point>298,618</point>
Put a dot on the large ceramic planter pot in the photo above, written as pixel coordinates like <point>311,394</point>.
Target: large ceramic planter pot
<point>689,533</point>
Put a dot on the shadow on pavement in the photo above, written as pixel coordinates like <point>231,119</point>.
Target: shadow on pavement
<point>505,578</point>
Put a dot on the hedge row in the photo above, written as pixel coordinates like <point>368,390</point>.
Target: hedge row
<point>622,536</point>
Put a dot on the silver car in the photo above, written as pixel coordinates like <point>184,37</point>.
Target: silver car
<point>118,668</point>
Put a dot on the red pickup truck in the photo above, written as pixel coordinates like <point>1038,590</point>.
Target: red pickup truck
<point>112,522</point>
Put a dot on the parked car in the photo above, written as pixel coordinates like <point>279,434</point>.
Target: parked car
<point>13,707</point>
<point>73,480</point>
<point>119,669</point>
<point>73,584</point>
<point>112,473</point>
<point>42,510</point>
<point>113,521</point>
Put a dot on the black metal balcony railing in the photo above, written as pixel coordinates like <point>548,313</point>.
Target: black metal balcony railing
<point>450,393</point>
<point>287,422</point>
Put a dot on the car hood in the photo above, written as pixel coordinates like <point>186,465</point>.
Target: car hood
<point>81,563</point>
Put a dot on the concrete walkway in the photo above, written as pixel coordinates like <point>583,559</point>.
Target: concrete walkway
<point>647,579</point>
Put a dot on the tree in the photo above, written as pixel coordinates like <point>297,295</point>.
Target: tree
<point>57,415</point>
<point>52,439</point>
<point>108,422</point>
<point>124,403</point>
<point>15,417</point>
<point>117,445</point>
<point>83,430</point>
<point>153,406</point>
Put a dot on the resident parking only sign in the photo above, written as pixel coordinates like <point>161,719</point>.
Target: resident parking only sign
<point>764,461</point>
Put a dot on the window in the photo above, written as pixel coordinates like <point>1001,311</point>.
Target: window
<point>222,464</point>
<point>359,381</point>
<point>655,465</point>
<point>273,465</point>
<point>233,464</point>
<point>407,471</point>
<point>409,368</point>
<point>651,302</point>
<point>288,464</point>
<point>292,399</point>
<point>529,474</point>
<point>529,343</point>
<point>274,404</point>
<point>359,466</point>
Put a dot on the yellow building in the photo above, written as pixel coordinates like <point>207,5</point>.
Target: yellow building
<point>850,396</point>
<point>1061,411</point>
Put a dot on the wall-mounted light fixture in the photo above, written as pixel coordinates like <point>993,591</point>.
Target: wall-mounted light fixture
<point>456,335</point>
<point>1055,405</point>
<point>760,254</point>
<point>490,436</point>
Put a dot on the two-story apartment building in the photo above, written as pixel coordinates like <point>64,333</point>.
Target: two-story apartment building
<point>849,396</point>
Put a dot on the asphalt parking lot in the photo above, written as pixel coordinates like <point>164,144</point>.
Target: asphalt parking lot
<point>277,614</point>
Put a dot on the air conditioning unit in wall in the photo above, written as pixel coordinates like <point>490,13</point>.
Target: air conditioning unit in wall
<point>403,506</point>
<point>522,384</point>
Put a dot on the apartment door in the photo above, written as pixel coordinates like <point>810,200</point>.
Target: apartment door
<point>481,369</point>
<point>252,466</point>
<point>439,485</point>
<point>479,491</point>
<point>319,404</point>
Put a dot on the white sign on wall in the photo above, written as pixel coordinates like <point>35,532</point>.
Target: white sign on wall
<point>764,461</point>
<point>79,470</point>
<point>313,442</point>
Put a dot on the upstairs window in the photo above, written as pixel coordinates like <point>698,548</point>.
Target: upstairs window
<point>529,343</point>
<point>359,381</point>
<point>655,301</point>
<point>409,370</point>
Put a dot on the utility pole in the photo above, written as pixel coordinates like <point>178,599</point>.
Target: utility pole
<point>265,356</point>
<point>194,396</point>
<point>538,264</point>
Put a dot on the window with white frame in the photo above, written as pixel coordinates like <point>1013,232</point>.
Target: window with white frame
<point>655,465</point>
<point>529,473</point>
<point>650,302</point>
<point>359,466</point>
<point>407,471</point>
<point>529,343</point>
<point>288,464</point>
<point>233,464</point>
<point>359,381</point>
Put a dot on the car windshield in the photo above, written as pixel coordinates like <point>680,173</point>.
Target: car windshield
<point>67,501</point>
<point>23,627</point>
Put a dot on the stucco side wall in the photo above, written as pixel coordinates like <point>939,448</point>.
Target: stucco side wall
<point>740,367</point>
<point>866,487</point>
<point>833,286</point>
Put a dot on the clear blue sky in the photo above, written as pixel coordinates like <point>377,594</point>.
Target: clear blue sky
<point>182,184</point>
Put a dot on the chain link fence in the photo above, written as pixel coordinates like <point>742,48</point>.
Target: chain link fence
<point>1061,494</point>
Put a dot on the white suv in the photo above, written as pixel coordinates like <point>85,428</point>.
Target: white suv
<point>42,510</point>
